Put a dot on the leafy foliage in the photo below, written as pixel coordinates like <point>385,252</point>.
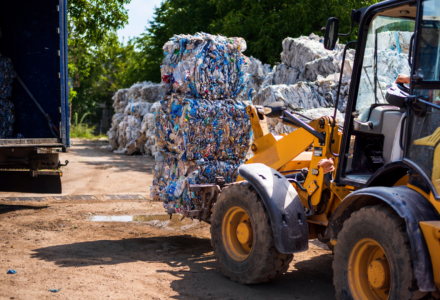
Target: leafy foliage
<point>262,23</point>
<point>99,65</point>
<point>97,61</point>
<point>111,66</point>
<point>81,130</point>
<point>173,17</point>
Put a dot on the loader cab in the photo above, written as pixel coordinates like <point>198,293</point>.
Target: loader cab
<point>382,136</point>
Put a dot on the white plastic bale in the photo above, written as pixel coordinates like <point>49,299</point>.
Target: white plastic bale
<point>122,139</point>
<point>120,100</point>
<point>116,119</point>
<point>282,74</point>
<point>155,107</point>
<point>300,96</point>
<point>113,139</point>
<point>144,125</point>
<point>138,109</point>
<point>297,52</point>
<point>304,58</point>
<point>151,93</point>
<point>134,93</point>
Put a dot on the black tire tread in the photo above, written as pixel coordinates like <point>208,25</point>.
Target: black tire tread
<point>270,266</point>
<point>387,215</point>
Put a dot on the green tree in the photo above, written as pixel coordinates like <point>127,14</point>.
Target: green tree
<point>262,23</point>
<point>265,23</point>
<point>111,66</point>
<point>173,17</point>
<point>91,25</point>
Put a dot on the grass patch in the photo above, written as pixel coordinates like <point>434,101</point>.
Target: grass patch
<point>84,131</point>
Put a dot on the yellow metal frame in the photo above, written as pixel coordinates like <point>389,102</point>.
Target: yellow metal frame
<point>431,232</point>
<point>289,152</point>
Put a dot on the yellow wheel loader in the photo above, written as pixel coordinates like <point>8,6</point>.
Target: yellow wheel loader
<point>380,207</point>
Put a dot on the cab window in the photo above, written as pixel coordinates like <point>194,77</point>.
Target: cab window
<point>386,56</point>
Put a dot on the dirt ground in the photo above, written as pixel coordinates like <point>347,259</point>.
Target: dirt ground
<point>52,244</point>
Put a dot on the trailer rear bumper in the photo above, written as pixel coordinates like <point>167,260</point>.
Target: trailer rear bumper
<point>38,159</point>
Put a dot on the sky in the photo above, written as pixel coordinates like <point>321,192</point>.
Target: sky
<point>139,13</point>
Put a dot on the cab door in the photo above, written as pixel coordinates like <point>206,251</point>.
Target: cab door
<point>371,123</point>
<point>422,150</point>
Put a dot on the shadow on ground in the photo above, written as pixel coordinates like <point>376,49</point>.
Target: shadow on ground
<point>8,208</point>
<point>108,159</point>
<point>199,276</point>
<point>22,182</point>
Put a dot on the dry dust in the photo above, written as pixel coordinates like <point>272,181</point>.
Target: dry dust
<point>53,244</point>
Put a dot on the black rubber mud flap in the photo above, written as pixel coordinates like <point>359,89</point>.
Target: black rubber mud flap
<point>283,204</point>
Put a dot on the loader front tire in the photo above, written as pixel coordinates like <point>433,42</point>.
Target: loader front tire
<point>373,257</point>
<point>242,238</point>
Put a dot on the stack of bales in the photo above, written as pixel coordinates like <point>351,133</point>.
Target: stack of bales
<point>309,75</point>
<point>134,116</point>
<point>202,129</point>
<point>254,78</point>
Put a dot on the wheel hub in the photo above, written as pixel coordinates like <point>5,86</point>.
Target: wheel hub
<point>369,272</point>
<point>377,274</point>
<point>244,233</point>
<point>237,233</point>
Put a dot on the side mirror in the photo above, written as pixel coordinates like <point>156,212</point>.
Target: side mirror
<point>331,33</point>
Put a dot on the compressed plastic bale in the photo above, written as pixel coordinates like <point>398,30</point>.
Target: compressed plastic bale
<point>120,100</point>
<point>122,140</point>
<point>151,120</point>
<point>257,69</point>
<point>254,77</point>
<point>198,129</point>
<point>148,124</point>
<point>133,129</point>
<point>144,125</point>
<point>155,107</point>
<point>200,132</point>
<point>300,96</point>
<point>113,139</point>
<point>134,93</point>
<point>299,51</point>
<point>138,109</point>
<point>211,138</point>
<point>151,93</point>
<point>116,119</point>
<point>284,74</point>
<point>204,66</point>
<point>304,58</point>
<point>172,178</point>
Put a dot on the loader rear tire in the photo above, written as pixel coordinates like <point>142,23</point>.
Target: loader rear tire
<point>373,257</point>
<point>250,257</point>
